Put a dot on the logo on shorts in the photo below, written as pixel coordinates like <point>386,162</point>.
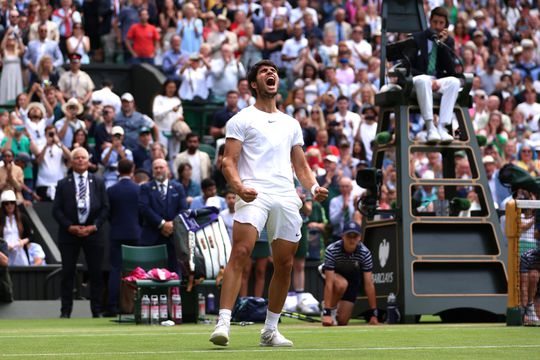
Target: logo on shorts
<point>297,235</point>
<point>384,252</point>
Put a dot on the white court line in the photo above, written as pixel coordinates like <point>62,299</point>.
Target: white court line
<point>159,332</point>
<point>297,330</point>
<point>225,351</point>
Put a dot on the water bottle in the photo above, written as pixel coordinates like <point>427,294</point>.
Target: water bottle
<point>154,310</point>
<point>176,309</point>
<point>392,310</point>
<point>210,303</point>
<point>163,311</point>
<point>202,306</point>
<point>145,310</point>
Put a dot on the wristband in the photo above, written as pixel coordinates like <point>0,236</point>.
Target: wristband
<point>313,188</point>
<point>327,312</point>
<point>373,312</point>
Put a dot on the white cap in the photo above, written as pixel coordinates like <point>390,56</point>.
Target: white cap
<point>117,130</point>
<point>331,158</point>
<point>8,195</point>
<point>527,43</point>
<point>128,97</point>
<point>213,201</point>
<point>488,159</point>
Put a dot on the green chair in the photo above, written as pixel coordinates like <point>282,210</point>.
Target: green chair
<point>147,258</point>
<point>209,149</point>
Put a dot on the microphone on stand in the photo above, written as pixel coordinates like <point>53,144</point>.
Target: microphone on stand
<point>435,38</point>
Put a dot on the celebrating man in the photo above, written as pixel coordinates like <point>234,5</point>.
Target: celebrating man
<point>261,145</point>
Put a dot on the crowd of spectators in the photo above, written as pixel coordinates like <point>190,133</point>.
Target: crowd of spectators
<point>328,53</point>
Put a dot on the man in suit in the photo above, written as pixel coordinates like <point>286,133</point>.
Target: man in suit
<point>80,208</point>
<point>124,226</point>
<point>338,27</point>
<point>160,200</point>
<point>433,70</point>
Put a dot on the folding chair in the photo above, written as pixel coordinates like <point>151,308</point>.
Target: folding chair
<point>147,258</point>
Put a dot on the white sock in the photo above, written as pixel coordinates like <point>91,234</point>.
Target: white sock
<point>225,315</point>
<point>429,124</point>
<point>299,295</point>
<point>272,320</point>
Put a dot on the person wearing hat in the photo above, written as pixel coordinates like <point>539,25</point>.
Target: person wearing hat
<point>433,70</point>
<point>142,152</point>
<point>222,36</point>
<point>132,121</point>
<point>142,40</point>
<point>70,123</point>
<point>527,63</point>
<point>15,229</point>
<point>76,83</point>
<point>347,164</point>
<point>112,154</point>
<point>194,86</point>
<point>347,265</point>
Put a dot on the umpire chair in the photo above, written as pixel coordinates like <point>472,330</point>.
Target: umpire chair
<point>447,260</point>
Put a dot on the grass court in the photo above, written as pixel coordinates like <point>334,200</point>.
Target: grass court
<point>101,339</point>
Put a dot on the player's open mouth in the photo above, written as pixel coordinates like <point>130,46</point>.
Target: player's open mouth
<point>270,81</point>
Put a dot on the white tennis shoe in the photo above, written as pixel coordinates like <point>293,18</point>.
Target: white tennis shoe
<point>220,336</point>
<point>273,338</point>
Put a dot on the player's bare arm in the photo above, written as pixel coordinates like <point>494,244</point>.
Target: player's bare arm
<point>304,174</point>
<point>233,148</point>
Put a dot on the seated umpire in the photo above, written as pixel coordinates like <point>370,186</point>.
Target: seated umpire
<point>347,264</point>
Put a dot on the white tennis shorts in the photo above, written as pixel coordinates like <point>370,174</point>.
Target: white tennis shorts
<point>280,214</point>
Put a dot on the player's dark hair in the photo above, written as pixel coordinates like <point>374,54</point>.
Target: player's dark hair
<point>254,70</point>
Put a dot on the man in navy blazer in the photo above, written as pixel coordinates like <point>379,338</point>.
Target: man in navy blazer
<point>80,208</point>
<point>124,226</point>
<point>433,70</point>
<point>160,200</point>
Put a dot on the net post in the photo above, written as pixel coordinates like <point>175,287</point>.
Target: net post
<point>513,218</point>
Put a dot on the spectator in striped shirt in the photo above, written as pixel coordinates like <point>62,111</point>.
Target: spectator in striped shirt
<point>347,264</point>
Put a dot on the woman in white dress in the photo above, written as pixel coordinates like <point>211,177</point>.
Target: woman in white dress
<point>167,110</point>
<point>15,229</point>
<point>11,83</point>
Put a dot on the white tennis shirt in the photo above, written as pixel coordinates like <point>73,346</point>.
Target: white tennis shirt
<point>267,140</point>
